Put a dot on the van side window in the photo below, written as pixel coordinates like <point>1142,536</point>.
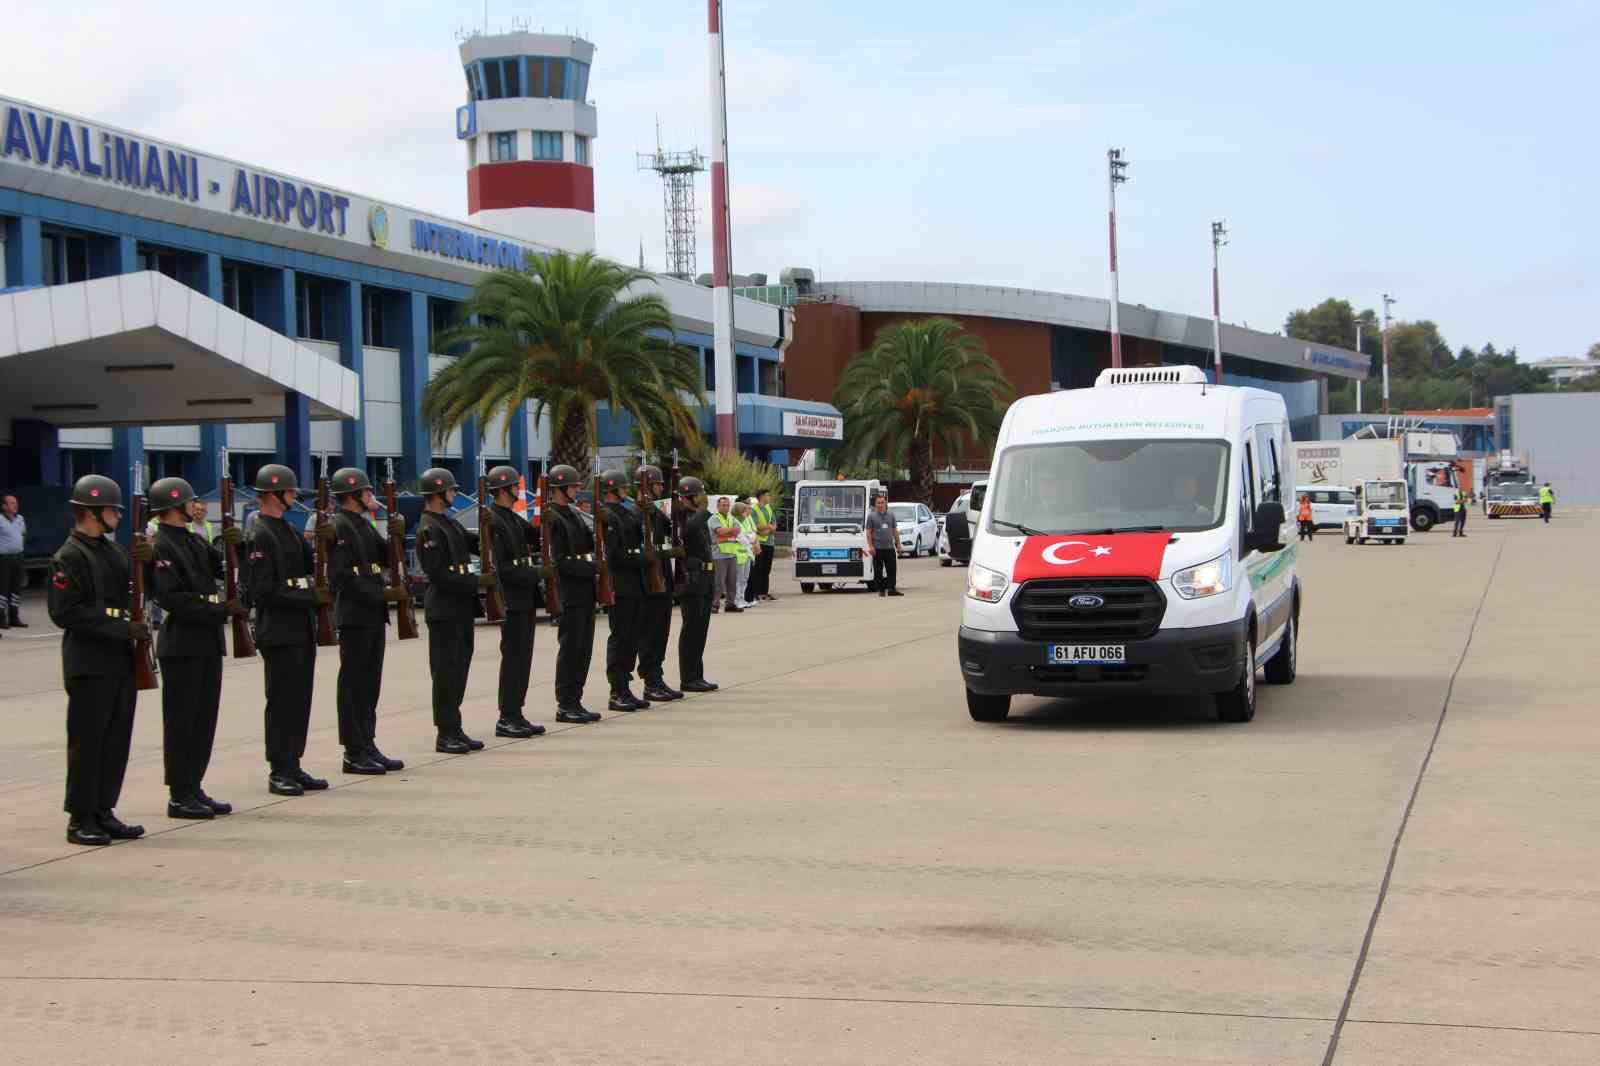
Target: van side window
<point>1247,489</point>
<point>1266,455</point>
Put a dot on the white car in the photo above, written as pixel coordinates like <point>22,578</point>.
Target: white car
<point>1330,504</point>
<point>919,530</point>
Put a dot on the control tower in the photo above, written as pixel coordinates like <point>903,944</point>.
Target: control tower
<point>529,129</point>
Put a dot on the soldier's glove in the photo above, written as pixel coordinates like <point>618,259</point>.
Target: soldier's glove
<point>138,631</point>
<point>325,530</point>
<point>236,607</point>
<point>322,596</point>
<point>142,552</point>
<point>232,535</point>
<point>395,595</point>
<point>486,581</point>
<point>397,527</point>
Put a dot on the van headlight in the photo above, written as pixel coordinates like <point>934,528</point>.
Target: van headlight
<point>985,585</point>
<point>1205,579</point>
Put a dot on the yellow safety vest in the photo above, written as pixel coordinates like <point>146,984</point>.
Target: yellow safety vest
<point>1546,495</point>
<point>765,517</point>
<point>728,547</point>
<point>748,524</point>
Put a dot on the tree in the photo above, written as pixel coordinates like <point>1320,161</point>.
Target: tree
<point>921,384</point>
<point>566,335</point>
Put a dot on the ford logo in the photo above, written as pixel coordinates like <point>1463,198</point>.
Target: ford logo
<point>1086,602</point>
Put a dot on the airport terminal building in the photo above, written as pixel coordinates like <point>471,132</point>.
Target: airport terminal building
<point>158,303</point>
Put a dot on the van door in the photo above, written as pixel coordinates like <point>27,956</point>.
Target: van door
<point>1271,574</point>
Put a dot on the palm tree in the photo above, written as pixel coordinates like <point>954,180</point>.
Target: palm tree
<point>921,383</point>
<point>566,335</point>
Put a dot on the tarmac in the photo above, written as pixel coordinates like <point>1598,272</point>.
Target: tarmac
<point>827,862</point>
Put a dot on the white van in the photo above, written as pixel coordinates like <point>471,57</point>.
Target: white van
<point>1134,540</point>
<point>830,521</point>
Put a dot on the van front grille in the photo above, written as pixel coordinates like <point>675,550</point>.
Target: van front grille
<point>1131,610</point>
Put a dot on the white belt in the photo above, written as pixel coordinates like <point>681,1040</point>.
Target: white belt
<point>298,582</point>
<point>116,612</point>
<point>372,568</point>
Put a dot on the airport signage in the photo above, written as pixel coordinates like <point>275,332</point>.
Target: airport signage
<point>818,427</point>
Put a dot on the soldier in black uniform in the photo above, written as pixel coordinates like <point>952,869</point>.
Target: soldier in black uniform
<point>625,552</point>
<point>361,611</point>
<point>89,601</point>
<point>700,589</point>
<point>655,619</point>
<point>572,553</point>
<point>190,646</point>
<point>446,551</point>
<point>286,605</point>
<point>517,566</point>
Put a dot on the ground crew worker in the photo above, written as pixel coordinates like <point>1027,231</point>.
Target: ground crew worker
<point>286,605</point>
<point>625,551</point>
<point>766,530</point>
<point>13,536</point>
<point>516,565</point>
<point>725,530</point>
<point>1459,507</point>
<point>572,555</point>
<point>699,559</point>
<point>655,617</point>
<point>450,606</point>
<point>89,601</point>
<point>1307,520</point>
<point>361,611</point>
<point>190,646</point>
<point>1547,500</point>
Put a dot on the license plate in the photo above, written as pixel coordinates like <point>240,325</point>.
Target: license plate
<point>830,568</point>
<point>1075,654</point>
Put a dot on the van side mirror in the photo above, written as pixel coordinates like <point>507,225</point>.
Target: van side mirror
<point>1268,527</point>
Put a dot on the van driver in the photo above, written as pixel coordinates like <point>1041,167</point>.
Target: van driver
<point>1186,497</point>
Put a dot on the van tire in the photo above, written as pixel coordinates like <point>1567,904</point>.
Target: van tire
<point>1423,519</point>
<point>825,586</point>
<point>943,561</point>
<point>986,708</point>
<point>1349,540</point>
<point>806,586</point>
<point>1281,668</point>
<point>1238,704</point>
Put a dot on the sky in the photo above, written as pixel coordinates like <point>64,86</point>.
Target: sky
<point>1444,153</point>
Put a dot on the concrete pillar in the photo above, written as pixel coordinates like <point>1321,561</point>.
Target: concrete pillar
<point>347,311</point>
<point>517,442</point>
<point>471,450</point>
<point>410,328</point>
<point>205,277</point>
<point>294,438</point>
<point>24,253</point>
<point>127,448</point>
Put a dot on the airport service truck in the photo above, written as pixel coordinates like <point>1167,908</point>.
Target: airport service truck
<point>1426,462</point>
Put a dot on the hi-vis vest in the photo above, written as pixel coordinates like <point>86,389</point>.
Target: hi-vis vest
<point>1546,494</point>
<point>764,517</point>
<point>728,547</point>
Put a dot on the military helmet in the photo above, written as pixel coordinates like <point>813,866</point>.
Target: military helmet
<point>168,493</point>
<point>97,490</point>
<point>275,477</point>
<point>614,481</point>
<point>691,488</point>
<point>563,476</point>
<point>648,475</point>
<point>504,477</point>
<point>437,480</point>
<point>349,481</point>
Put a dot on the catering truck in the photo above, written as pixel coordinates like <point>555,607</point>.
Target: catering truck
<point>830,521</point>
<point>1426,462</point>
<point>1134,540</point>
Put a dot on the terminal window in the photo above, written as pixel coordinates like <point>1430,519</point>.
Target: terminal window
<point>502,147</point>
<point>546,144</point>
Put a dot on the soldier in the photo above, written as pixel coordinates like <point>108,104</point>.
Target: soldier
<point>361,610</point>
<point>701,588</point>
<point>517,566</point>
<point>625,551</point>
<point>89,601</point>
<point>286,603</point>
<point>190,646</point>
<point>655,619</point>
<point>572,552</point>
<point>446,550</point>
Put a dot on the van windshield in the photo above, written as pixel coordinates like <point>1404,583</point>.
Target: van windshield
<point>830,508</point>
<point>1112,485</point>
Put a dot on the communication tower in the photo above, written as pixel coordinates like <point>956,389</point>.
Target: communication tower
<point>677,171</point>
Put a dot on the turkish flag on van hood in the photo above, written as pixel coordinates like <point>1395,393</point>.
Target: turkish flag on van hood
<point>1083,555</point>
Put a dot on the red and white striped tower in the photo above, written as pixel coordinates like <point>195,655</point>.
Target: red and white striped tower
<point>529,129</point>
<point>721,246</point>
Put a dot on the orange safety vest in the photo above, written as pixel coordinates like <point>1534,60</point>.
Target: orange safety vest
<point>1305,510</point>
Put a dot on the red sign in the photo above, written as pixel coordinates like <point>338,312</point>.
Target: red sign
<point>1083,555</point>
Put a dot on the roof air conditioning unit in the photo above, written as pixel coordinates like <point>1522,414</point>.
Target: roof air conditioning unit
<point>1152,375</point>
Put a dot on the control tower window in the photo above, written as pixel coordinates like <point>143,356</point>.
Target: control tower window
<point>511,72</point>
<point>502,147</point>
<point>580,149</point>
<point>546,144</point>
<point>494,89</point>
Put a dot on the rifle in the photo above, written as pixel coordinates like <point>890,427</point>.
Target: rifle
<point>655,582</point>
<point>144,663</point>
<point>244,645</point>
<point>494,605</point>
<point>605,595</point>
<point>547,521</point>
<point>405,609</point>
<point>327,634</point>
<point>680,520</point>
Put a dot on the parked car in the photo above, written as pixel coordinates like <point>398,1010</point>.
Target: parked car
<point>960,525</point>
<point>1330,504</point>
<point>919,533</point>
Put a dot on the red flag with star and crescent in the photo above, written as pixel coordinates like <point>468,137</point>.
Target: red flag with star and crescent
<point>1085,555</point>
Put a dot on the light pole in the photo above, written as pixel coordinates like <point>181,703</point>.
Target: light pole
<point>1358,352</point>
<point>1387,302</point>
<point>1115,165</point>
<point>727,426</point>
<point>1219,237</point>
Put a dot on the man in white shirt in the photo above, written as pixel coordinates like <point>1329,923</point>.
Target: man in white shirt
<point>13,534</point>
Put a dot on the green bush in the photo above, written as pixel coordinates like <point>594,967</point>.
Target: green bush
<point>730,472</point>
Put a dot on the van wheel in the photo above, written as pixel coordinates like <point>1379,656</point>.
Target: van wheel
<point>1423,519</point>
<point>1349,540</point>
<point>806,586</point>
<point>944,562</point>
<point>986,708</point>
<point>825,586</point>
<point>1402,540</point>
<point>1281,668</point>
<point>1238,704</point>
